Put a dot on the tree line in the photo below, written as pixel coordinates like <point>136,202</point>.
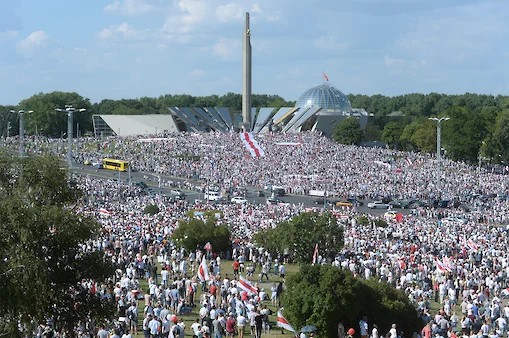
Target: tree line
<point>477,128</point>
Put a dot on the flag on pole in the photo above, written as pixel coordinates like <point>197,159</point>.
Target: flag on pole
<point>315,255</point>
<point>283,323</point>
<point>325,77</point>
<point>246,285</point>
<point>203,270</point>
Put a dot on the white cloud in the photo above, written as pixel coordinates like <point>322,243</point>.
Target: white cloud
<point>129,7</point>
<point>459,36</point>
<point>226,48</point>
<point>120,32</point>
<point>230,12</point>
<point>190,14</point>
<point>37,39</point>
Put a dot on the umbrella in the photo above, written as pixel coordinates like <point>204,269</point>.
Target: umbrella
<point>308,329</point>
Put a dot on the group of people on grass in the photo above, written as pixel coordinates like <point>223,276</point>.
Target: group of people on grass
<point>459,264</point>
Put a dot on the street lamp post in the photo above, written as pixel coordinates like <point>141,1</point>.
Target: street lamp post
<point>22,131</point>
<point>439,146</point>
<point>69,110</point>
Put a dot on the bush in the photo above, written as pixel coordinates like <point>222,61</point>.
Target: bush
<point>151,209</point>
<point>363,220</point>
<point>381,223</point>
<point>325,296</point>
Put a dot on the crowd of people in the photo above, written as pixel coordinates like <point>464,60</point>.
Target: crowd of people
<point>461,265</point>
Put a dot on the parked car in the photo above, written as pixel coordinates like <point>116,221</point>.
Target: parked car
<point>142,185</point>
<point>346,204</point>
<point>378,205</point>
<point>396,204</point>
<point>355,201</point>
<point>212,196</point>
<point>321,200</point>
<point>274,200</point>
<point>278,191</point>
<point>178,194</point>
<point>238,200</point>
<point>454,220</point>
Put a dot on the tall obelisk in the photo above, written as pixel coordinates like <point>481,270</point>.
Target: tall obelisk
<point>246,77</point>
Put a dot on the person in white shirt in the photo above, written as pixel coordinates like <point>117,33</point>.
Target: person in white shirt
<point>196,328</point>
<point>127,335</point>
<point>374,332</point>
<point>393,333</point>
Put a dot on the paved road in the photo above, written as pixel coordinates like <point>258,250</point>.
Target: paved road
<point>152,181</point>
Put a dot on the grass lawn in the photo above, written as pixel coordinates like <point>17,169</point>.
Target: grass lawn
<point>226,268</point>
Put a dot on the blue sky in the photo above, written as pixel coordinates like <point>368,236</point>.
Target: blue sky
<point>134,48</point>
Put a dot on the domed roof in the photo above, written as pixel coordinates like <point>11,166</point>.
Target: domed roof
<point>326,97</point>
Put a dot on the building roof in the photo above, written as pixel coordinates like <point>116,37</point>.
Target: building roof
<point>128,125</point>
<point>326,97</point>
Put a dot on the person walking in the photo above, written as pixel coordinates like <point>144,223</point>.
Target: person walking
<point>363,326</point>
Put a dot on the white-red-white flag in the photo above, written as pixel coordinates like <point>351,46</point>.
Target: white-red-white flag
<point>315,255</point>
<point>283,323</point>
<point>203,270</point>
<point>251,145</point>
<point>441,265</point>
<point>246,285</point>
<point>104,212</point>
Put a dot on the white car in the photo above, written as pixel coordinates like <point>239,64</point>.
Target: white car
<point>378,205</point>
<point>454,220</point>
<point>212,196</point>
<point>238,200</point>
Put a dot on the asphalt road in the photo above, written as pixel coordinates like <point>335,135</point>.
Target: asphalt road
<point>152,182</point>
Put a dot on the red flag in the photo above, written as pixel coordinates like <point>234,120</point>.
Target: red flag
<point>325,77</point>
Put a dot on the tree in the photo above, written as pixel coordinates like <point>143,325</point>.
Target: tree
<point>463,134</point>
<point>41,236</point>
<point>195,233</point>
<point>348,131</point>
<point>300,235</point>
<point>49,122</point>
<point>420,134</point>
<point>392,133</point>
<point>498,144</point>
<point>325,295</point>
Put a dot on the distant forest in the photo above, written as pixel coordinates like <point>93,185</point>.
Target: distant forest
<point>478,128</point>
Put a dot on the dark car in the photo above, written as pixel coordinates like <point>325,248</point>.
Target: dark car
<point>442,203</point>
<point>179,194</point>
<point>355,201</point>
<point>274,200</point>
<point>260,193</point>
<point>396,204</point>
<point>142,185</point>
<point>321,200</point>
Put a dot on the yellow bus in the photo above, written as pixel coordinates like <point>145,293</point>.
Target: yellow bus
<point>112,164</point>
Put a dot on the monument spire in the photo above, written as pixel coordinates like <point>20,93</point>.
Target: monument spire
<point>246,77</point>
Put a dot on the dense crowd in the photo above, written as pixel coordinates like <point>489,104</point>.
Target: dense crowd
<point>453,263</point>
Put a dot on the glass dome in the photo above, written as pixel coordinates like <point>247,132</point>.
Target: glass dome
<point>326,97</point>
